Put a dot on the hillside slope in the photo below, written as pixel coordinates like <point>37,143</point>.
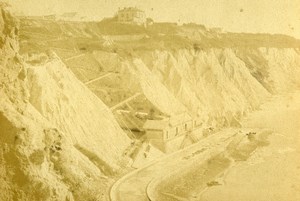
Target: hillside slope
<point>67,103</point>
<point>41,157</point>
<point>216,76</point>
<point>222,85</point>
<point>216,86</point>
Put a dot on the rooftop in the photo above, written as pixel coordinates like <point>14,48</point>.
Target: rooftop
<point>69,14</point>
<point>131,9</point>
<point>156,124</point>
<point>172,121</point>
<point>179,119</point>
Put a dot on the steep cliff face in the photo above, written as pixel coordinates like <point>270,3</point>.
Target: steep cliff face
<point>215,76</point>
<point>67,103</point>
<point>219,81</point>
<point>152,87</point>
<point>58,141</point>
<point>283,68</point>
<point>219,85</point>
<point>45,155</point>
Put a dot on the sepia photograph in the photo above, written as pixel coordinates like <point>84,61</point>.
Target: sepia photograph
<point>149,100</point>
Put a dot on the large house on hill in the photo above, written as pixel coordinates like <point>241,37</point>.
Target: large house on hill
<point>131,15</point>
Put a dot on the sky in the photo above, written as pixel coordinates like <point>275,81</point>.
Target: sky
<point>254,16</point>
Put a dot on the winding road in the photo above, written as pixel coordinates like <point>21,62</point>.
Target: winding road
<point>280,118</point>
<point>133,186</point>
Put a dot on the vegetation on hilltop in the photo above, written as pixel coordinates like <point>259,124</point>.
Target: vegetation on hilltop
<point>90,36</point>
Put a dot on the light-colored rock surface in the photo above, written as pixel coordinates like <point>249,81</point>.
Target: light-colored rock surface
<point>45,154</point>
<point>67,103</point>
<point>59,141</point>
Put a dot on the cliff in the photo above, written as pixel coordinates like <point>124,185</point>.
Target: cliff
<point>58,141</point>
<point>217,86</point>
<point>223,81</point>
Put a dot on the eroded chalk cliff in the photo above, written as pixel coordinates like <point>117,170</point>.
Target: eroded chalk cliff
<point>58,141</point>
<point>217,85</point>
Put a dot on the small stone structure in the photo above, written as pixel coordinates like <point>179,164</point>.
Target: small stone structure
<point>167,134</point>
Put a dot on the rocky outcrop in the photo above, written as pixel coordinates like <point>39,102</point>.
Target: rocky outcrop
<point>67,103</point>
<point>218,86</point>
<point>48,150</point>
<point>58,141</point>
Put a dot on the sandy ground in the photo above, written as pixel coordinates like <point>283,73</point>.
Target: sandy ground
<point>272,173</point>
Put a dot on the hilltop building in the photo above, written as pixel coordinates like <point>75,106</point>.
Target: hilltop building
<point>40,17</point>
<point>131,15</point>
